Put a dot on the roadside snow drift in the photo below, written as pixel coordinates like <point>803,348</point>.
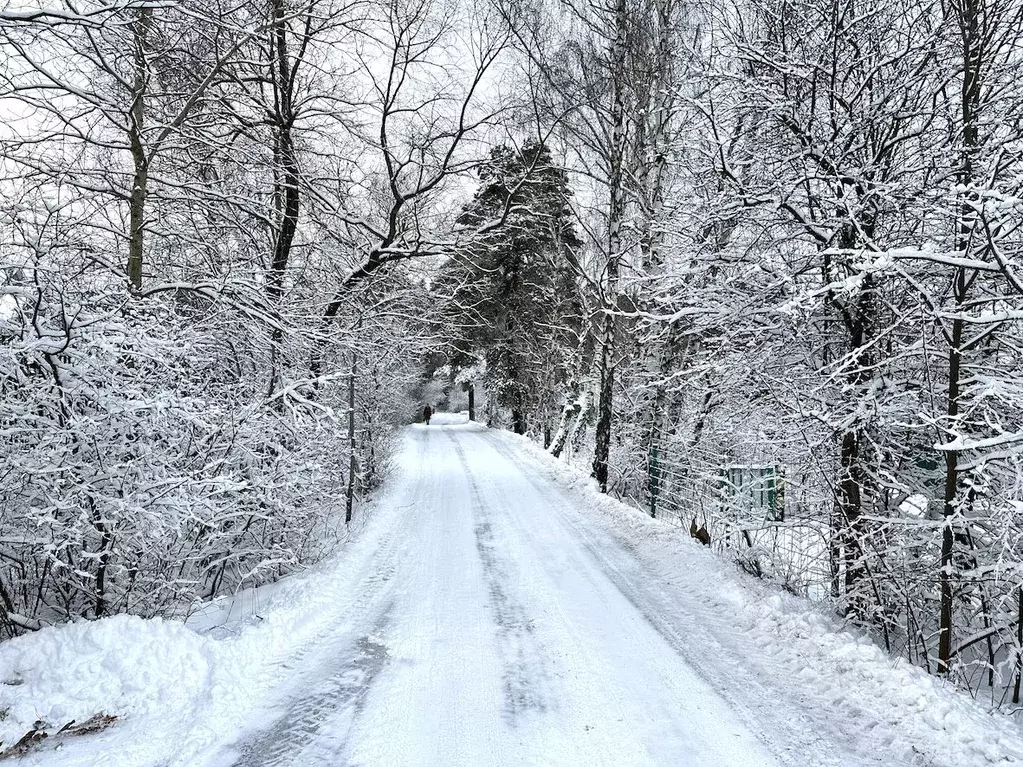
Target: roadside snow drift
<point>121,665</point>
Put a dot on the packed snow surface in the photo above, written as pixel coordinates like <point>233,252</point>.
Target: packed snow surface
<point>494,609</point>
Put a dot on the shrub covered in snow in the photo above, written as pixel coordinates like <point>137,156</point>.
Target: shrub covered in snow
<point>144,461</point>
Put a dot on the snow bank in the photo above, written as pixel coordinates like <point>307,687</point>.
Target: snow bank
<point>174,687</point>
<point>906,712</point>
<point>121,666</point>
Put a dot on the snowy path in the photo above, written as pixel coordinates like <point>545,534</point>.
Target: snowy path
<point>498,623</point>
<point>493,609</point>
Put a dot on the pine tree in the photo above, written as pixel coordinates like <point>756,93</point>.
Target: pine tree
<point>512,292</point>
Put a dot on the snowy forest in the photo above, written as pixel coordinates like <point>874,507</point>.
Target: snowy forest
<point>755,265</point>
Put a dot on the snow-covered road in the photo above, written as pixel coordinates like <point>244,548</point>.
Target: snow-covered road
<point>501,624</point>
<point>493,609</point>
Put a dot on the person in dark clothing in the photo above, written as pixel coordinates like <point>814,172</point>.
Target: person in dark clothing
<point>427,412</point>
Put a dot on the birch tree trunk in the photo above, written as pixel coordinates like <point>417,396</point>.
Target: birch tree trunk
<point>616,214</point>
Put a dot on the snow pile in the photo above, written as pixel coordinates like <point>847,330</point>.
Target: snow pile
<point>174,687</point>
<point>120,665</point>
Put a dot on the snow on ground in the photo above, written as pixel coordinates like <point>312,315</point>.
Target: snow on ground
<point>885,705</point>
<point>496,609</point>
<point>178,688</point>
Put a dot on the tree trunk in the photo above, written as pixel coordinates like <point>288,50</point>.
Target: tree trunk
<point>1019,644</point>
<point>616,210</point>
<point>970,101</point>
<point>286,193</point>
<point>103,560</point>
<point>140,161</point>
<point>518,421</point>
<point>472,402</point>
<point>850,514</point>
<point>951,486</point>
<point>653,148</point>
<point>353,463</point>
<point>570,416</point>
<point>602,447</point>
<point>859,322</point>
<point>654,474</point>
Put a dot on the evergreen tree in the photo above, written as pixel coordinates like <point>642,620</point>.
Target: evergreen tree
<point>512,293</point>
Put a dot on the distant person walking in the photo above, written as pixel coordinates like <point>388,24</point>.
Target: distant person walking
<point>427,412</point>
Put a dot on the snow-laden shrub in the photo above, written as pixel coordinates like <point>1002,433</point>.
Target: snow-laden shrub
<point>140,472</point>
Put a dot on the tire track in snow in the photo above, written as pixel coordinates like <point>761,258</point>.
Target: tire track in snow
<point>523,658</point>
<point>794,743</point>
<point>327,690</point>
<point>332,694</point>
<point>334,703</point>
